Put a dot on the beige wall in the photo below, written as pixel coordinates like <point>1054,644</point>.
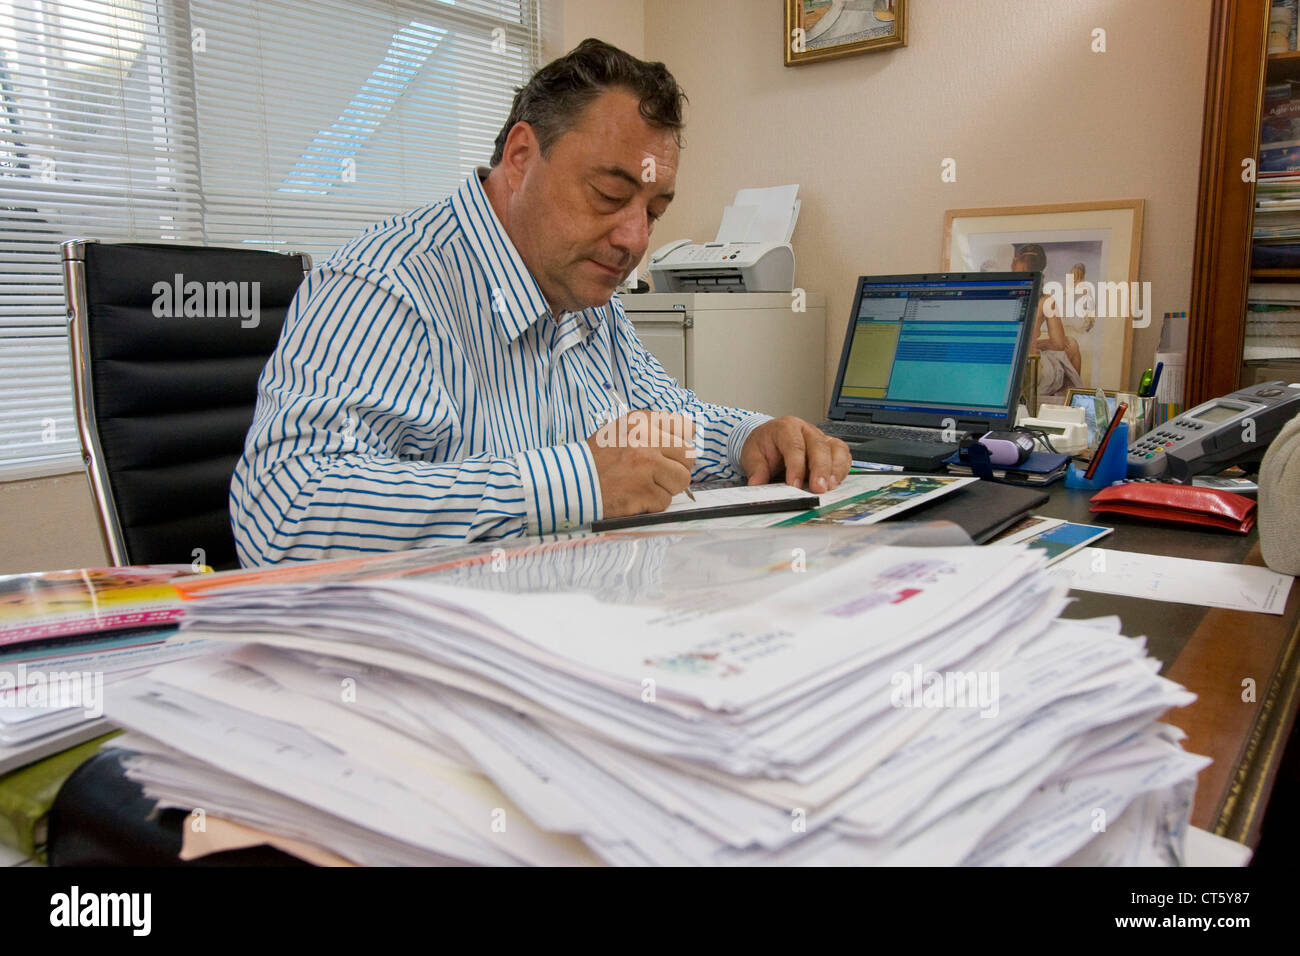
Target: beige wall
<point>49,524</point>
<point>569,22</point>
<point>1007,88</point>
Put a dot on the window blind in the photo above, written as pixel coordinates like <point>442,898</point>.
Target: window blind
<point>318,118</point>
<point>272,124</point>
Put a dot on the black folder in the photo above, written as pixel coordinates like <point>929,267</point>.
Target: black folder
<point>982,508</point>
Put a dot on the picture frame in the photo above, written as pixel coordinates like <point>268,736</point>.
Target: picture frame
<point>1029,385</point>
<point>1089,256</point>
<point>817,30</point>
<point>1085,398</point>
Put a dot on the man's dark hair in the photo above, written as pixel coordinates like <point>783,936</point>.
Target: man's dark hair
<point>554,99</point>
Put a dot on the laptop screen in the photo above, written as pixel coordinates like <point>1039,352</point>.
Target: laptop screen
<point>921,348</point>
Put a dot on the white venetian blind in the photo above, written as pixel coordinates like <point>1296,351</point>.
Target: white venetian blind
<point>318,118</point>
<point>276,124</point>
<point>96,139</point>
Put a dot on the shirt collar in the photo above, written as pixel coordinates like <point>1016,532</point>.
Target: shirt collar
<point>519,302</point>
<point>521,299</point>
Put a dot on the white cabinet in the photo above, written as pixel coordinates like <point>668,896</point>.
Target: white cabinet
<point>744,349</point>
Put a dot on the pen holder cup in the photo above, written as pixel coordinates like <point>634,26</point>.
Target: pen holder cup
<point>1113,466</point>
<point>1142,418</point>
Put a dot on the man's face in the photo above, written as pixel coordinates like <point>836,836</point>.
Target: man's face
<point>582,216</point>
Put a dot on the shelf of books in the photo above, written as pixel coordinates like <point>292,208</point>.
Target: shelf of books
<point>1272,340</point>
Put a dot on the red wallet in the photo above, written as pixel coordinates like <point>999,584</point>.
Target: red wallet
<point>1185,504</point>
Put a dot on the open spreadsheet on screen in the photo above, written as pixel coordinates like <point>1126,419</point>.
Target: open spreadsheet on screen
<point>946,346</point>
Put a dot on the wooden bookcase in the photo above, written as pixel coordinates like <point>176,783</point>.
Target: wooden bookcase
<point>1234,89</point>
<point>1238,69</point>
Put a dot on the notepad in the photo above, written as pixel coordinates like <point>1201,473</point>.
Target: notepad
<point>719,503</point>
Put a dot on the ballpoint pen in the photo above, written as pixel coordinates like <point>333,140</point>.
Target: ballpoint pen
<point>1155,379</point>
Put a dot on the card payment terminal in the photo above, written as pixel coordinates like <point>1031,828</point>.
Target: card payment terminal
<point>1222,432</point>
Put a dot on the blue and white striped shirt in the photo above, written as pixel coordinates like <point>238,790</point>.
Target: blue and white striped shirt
<point>423,393</point>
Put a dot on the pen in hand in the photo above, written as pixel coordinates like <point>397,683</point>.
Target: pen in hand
<point>622,410</point>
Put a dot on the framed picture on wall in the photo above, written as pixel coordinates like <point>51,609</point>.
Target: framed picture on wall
<point>826,29</point>
<point>1088,254</point>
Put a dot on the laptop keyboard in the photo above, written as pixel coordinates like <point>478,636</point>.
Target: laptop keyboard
<point>850,431</point>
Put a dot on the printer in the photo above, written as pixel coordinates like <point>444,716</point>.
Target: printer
<point>686,266</point>
<point>751,252</point>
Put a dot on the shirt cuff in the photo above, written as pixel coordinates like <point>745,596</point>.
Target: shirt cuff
<point>740,434</point>
<point>561,488</point>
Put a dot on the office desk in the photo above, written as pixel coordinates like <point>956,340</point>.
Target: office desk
<point>1210,651</point>
<point>1207,650</point>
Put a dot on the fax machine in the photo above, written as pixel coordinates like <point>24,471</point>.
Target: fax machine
<point>686,266</point>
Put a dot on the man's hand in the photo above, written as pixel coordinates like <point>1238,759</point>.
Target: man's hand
<point>642,460</point>
<point>801,452</point>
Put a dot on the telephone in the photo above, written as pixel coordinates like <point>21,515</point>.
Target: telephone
<point>1233,430</point>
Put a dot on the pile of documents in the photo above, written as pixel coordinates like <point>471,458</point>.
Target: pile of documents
<point>761,215</point>
<point>1272,321</point>
<point>64,635</point>
<point>807,695</point>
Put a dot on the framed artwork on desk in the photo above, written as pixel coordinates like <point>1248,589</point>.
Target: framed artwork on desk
<point>1087,400</point>
<point>1088,254</point>
<point>1029,385</point>
<point>828,29</point>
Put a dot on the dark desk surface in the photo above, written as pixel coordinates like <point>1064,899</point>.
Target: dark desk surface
<point>1167,626</point>
<point>1214,653</point>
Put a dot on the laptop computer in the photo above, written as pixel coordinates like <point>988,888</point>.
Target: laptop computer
<point>931,359</point>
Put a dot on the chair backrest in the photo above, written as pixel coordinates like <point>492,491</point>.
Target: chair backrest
<point>167,346</point>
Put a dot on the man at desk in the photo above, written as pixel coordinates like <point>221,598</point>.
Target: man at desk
<point>445,375</point>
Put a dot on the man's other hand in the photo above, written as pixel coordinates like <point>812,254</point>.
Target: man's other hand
<point>805,455</point>
<point>642,460</point>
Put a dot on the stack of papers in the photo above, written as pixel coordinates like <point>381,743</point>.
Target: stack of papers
<point>760,215</point>
<point>1272,321</point>
<point>1277,195</point>
<point>808,695</point>
<point>64,635</point>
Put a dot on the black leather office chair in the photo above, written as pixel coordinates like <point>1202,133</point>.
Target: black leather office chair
<point>167,346</point>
